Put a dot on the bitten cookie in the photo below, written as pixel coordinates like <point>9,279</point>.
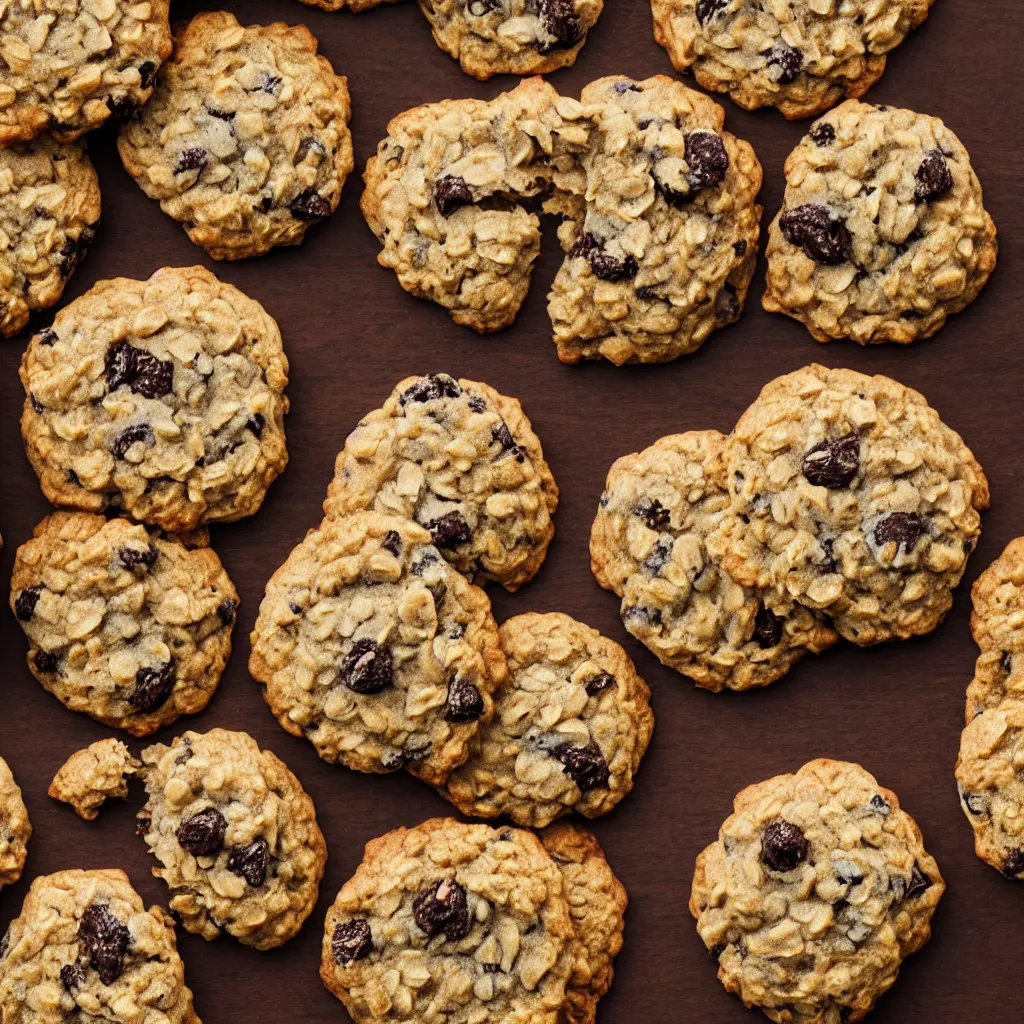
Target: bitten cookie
<point>70,65</point>
<point>464,462</point>
<point>90,777</point>
<point>164,398</point>
<point>816,890</point>
<point>129,625</point>
<point>246,138</point>
<point>236,836</point>
<point>883,232</point>
<point>49,210</point>
<point>376,650</point>
<point>570,727</point>
<point>15,832</point>
<point>801,56</point>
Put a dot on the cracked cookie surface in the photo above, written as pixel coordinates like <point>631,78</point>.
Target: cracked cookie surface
<point>816,890</point>
<point>376,650</point>
<point>128,625</point>
<point>15,829</point>
<point>462,461</point>
<point>236,836</point>
<point>164,398</point>
<point>883,232</point>
<point>90,777</point>
<point>246,138</point>
<point>49,210</point>
<point>570,727</point>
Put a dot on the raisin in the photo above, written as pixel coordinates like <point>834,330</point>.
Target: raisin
<point>25,603</point>
<point>352,940</point>
<point>621,88</point>
<point>647,292</point>
<point>464,703</point>
<point>822,237</point>
<point>221,115</point>
<point>367,667</point>
<point>202,835</point>
<point>192,159</point>
<point>131,557</point>
<point>604,266</point>
<point>119,365</point>
<point>597,684</point>
<point>442,908</point>
<point>142,371</point>
<point>706,158</point>
<point>560,20</point>
<point>503,436</point>
<point>767,628</point>
<point>834,463</point>
<point>152,687</point>
<point>783,846</point>
<point>449,530</point>
<point>392,542</point>
<point>586,765</point>
<point>788,60</point>
<point>227,610</point>
<point>256,423</point>
<point>46,662</point>
<point>707,9</point>
<point>73,251</point>
<point>140,433</point>
<point>48,337</point>
<point>250,861</point>
<point>72,976</point>
<point>1006,661</point>
<point>652,512</point>
<point>740,247</point>
<point>37,406</point>
<point>902,528</point>
<point>920,883</point>
<point>426,389</point>
<point>476,403</point>
<point>147,72</point>
<point>451,192</point>
<point>104,940</point>
<point>973,802</point>
<point>309,205</point>
<point>268,83</point>
<point>933,177</point>
<point>121,108</point>
<point>822,133</point>
<point>642,614</point>
<point>880,804</point>
<point>659,556</point>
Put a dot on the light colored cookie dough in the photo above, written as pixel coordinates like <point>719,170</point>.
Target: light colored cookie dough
<point>15,830</point>
<point>90,777</point>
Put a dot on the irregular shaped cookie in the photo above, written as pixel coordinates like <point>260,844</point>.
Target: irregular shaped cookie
<point>164,398</point>
<point>70,65</point>
<point>801,56</point>
<point>882,233</point>
<point>444,196</point>
<point>464,924</point>
<point>511,37</point>
<point>131,626</point>
<point>89,777</point>
<point>854,498</point>
<point>246,139</point>
<point>464,462</point>
<point>650,544</point>
<point>816,890</point>
<point>597,902</point>
<point>15,830</point>
<point>49,210</point>
<point>352,5</point>
<point>377,651</point>
<point>236,836</point>
<point>661,230</point>
<point>570,727</point>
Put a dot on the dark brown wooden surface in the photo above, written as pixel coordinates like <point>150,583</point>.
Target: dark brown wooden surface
<point>351,334</point>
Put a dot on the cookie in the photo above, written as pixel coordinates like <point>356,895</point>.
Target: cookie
<point>85,948</point>
<point>352,5</point>
<point>245,141</point>
<point>854,498</point>
<point>816,890</point>
<point>164,398</point>
<point>650,545</point>
<point>453,923</point>
<point>236,837</point>
<point>882,233</point>
<point>800,56</point>
<point>90,777</point>
<point>15,830</point>
<point>660,230</point>
<point>49,211</point>
<point>570,727</point>
<point>72,65</point>
<point>129,625</point>
<point>464,462</point>
<point>376,650</point>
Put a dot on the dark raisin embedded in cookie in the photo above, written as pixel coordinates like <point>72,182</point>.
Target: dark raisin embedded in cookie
<point>121,108</point>
<point>503,436</point>
<point>72,976</point>
<point>442,908</point>
<point>449,530</point>
<point>251,861</point>
<point>392,542</point>
<point>45,662</point>
<point>822,133</point>
<point>822,237</point>
<point>152,687</point>
<point>25,603</point>
<point>130,558</point>
<point>920,883</point>
<point>1013,862</point>
<point>706,158</point>
<point>352,940</point>
<point>309,205</point>
<point>603,264</point>
<point>227,610</point>
<point>652,512</point>
<point>902,528</point>
<point>586,766</point>
<point>451,192</point>
<point>192,159</point>
<point>599,683</point>
<point>464,703</point>
<point>139,433</point>
<point>973,802</point>
<point>104,940</point>
<point>833,463</point>
<point>707,9</point>
<point>880,804</point>
<point>932,176</point>
<point>203,834</point>
<point>367,667</point>
<point>767,628</point>
<point>561,21</point>
<point>147,72</point>
<point>434,385</point>
<point>1006,662</point>
<point>786,61</point>
<point>783,846</point>
<point>73,251</point>
<point>140,370</point>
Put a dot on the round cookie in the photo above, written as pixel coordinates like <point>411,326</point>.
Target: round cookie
<point>129,625</point>
<point>816,890</point>
<point>70,65</point>
<point>851,494</point>
<point>801,56</point>
<point>450,922</point>
<point>376,650</point>
<point>85,948</point>
<point>236,836</point>
<point>246,138</point>
<point>660,230</point>
<point>511,37</point>
<point>15,830</point>
<point>90,777</point>
<point>49,210</point>
<point>570,727</point>
<point>464,462</point>
<point>652,543</point>
<point>352,5</point>
<point>164,398</point>
<point>883,232</point>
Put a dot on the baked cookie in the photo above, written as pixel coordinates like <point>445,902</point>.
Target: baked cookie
<point>85,948</point>
<point>464,924</point>
<point>129,625</point>
<point>851,495</point>
<point>464,462</point>
<point>164,398</point>
<point>650,545</point>
<point>70,65</point>
<point>801,56</point>
<point>49,210</point>
<point>15,830</point>
<point>236,836</point>
<point>511,37</point>
<point>352,5</point>
<point>570,727</point>
<point>246,139</point>
<point>89,777</point>
<point>816,890</point>
<point>376,650</point>
<point>660,231</point>
<point>882,233</point>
